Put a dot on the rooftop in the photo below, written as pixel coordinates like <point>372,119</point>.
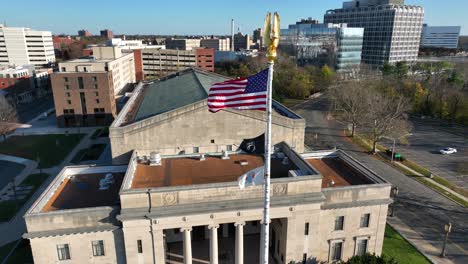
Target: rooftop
<point>82,191</point>
<point>337,173</point>
<point>180,171</point>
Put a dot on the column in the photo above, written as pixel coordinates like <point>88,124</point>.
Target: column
<point>239,242</point>
<point>214,244</point>
<point>159,247</point>
<point>187,245</point>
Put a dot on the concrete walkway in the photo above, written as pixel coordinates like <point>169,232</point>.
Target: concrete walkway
<point>15,228</point>
<point>30,166</point>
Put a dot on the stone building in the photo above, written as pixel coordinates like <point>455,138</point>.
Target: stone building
<point>188,208</point>
<point>171,116</point>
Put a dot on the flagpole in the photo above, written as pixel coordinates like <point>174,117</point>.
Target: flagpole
<point>268,148</point>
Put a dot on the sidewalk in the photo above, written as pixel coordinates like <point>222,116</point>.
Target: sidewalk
<point>30,166</point>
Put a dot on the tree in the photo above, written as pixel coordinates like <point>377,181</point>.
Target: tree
<point>385,116</point>
<point>7,116</point>
<point>351,100</point>
<point>370,259</point>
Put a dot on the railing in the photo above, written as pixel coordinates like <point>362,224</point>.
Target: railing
<point>177,256</point>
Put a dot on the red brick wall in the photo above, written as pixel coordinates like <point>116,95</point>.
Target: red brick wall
<point>205,59</point>
<point>138,65</point>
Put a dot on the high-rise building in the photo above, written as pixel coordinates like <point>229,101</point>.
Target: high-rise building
<point>216,44</point>
<point>22,46</point>
<point>440,37</point>
<point>392,30</point>
<point>107,33</point>
<point>84,33</point>
<point>333,44</point>
<point>258,37</point>
<point>157,63</point>
<point>85,89</point>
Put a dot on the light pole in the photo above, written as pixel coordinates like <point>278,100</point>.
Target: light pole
<point>448,228</point>
<point>394,142</point>
<point>394,195</point>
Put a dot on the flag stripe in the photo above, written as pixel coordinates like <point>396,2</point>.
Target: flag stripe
<point>233,97</point>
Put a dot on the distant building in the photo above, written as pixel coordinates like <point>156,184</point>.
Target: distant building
<point>392,30</point>
<point>23,84</point>
<point>85,89</point>
<point>182,44</point>
<point>241,42</point>
<point>216,44</point>
<point>323,44</point>
<point>258,37</point>
<point>440,36</point>
<point>157,63</point>
<point>24,46</point>
<point>84,33</point>
<point>132,44</point>
<point>463,43</point>
<point>107,33</point>
<point>59,42</point>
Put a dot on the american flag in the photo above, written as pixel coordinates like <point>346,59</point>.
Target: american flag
<point>241,94</point>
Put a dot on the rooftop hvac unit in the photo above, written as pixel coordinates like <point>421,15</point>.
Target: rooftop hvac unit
<point>202,157</point>
<point>155,159</point>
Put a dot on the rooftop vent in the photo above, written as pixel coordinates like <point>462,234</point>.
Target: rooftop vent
<point>155,159</point>
<point>225,155</point>
<point>202,157</point>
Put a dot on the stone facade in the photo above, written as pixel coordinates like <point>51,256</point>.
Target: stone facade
<point>194,126</point>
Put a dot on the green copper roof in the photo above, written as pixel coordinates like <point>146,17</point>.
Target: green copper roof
<point>176,91</point>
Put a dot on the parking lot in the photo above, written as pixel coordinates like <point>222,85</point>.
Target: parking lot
<point>427,138</point>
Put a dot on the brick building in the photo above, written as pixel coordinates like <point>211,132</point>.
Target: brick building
<point>85,89</point>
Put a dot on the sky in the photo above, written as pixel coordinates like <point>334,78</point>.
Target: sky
<point>189,17</point>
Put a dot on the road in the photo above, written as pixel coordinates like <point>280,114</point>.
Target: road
<point>419,209</point>
<point>427,138</point>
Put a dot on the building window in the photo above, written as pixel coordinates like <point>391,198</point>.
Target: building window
<point>80,83</point>
<point>361,247</point>
<point>339,221</point>
<point>229,147</point>
<point>196,149</point>
<point>69,102</point>
<point>365,219</point>
<point>67,94</point>
<point>139,246</point>
<point>69,111</point>
<point>65,79</point>
<point>96,93</point>
<point>212,141</point>
<point>335,251</point>
<point>304,258</point>
<point>98,110</point>
<point>306,229</point>
<point>63,252</point>
<point>67,87</point>
<point>64,69</point>
<point>98,248</point>
<point>97,101</point>
<point>95,78</point>
<point>95,86</point>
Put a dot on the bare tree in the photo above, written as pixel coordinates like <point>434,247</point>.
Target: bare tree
<point>7,116</point>
<point>385,117</point>
<point>351,102</point>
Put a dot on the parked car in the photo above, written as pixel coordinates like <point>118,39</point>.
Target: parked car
<point>447,151</point>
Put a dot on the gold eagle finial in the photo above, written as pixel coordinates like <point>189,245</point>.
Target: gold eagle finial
<point>271,35</point>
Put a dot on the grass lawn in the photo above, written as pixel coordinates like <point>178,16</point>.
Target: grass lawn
<point>51,149</point>
<point>22,254</point>
<point>9,208</point>
<point>397,247</point>
<point>91,153</point>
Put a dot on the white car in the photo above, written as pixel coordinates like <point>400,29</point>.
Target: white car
<point>447,151</point>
